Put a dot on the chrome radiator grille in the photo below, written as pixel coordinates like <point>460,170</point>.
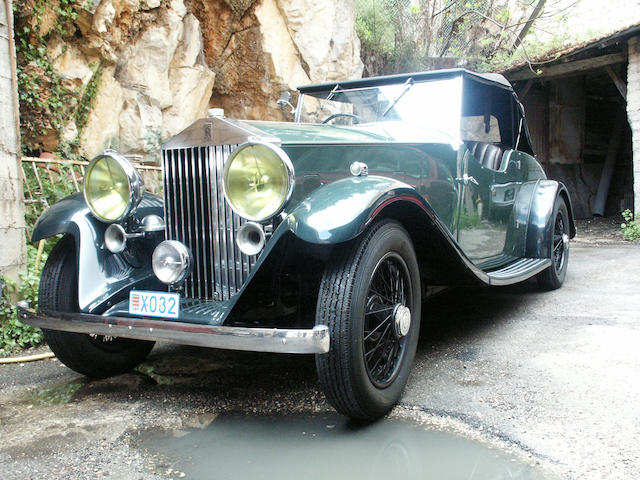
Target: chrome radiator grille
<point>198,215</point>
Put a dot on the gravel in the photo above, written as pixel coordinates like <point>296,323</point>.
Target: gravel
<point>549,377</point>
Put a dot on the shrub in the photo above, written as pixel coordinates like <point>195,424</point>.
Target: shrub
<point>630,227</point>
<point>13,333</point>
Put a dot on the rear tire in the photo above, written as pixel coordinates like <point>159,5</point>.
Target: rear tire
<point>367,289</point>
<point>97,357</point>
<point>553,277</point>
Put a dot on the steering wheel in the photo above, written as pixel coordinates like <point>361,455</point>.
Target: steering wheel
<point>355,118</point>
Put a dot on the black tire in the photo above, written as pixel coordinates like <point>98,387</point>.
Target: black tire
<point>350,305</point>
<point>553,277</point>
<point>97,357</point>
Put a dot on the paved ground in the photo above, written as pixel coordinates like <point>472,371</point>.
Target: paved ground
<point>551,377</point>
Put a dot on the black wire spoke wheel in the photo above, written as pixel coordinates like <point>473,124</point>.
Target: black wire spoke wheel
<point>553,277</point>
<point>560,243</point>
<point>96,356</point>
<point>383,341</point>
<point>369,298</point>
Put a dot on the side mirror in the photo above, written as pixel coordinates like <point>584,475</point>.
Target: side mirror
<point>284,101</point>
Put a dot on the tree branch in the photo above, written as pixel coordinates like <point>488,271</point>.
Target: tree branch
<point>527,26</point>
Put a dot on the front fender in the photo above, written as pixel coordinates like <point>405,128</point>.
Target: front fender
<point>341,210</point>
<point>101,274</point>
<point>541,222</point>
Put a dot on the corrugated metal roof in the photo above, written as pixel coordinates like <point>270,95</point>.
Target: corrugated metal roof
<point>492,78</point>
<point>560,54</point>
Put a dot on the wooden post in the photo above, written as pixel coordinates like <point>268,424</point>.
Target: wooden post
<point>633,113</point>
<point>609,164</point>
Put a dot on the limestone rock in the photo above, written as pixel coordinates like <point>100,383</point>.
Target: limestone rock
<point>329,48</point>
<point>190,81</point>
<point>286,64</point>
<point>70,131</point>
<point>147,62</point>
<point>166,62</point>
<point>140,123</point>
<point>103,127</point>
<point>189,51</point>
<point>72,64</point>
<point>103,18</point>
<point>191,88</point>
<point>149,4</point>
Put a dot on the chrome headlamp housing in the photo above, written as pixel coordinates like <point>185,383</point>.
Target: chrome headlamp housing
<point>112,187</point>
<point>258,180</point>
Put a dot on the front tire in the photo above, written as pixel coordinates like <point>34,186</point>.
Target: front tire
<point>553,277</point>
<point>93,356</point>
<point>370,299</point>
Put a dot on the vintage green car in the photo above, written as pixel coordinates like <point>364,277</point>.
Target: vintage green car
<point>322,236</point>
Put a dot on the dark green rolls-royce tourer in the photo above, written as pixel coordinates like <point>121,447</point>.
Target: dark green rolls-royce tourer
<point>320,236</point>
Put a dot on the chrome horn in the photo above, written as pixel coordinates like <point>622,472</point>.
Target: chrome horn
<point>115,238</point>
<point>250,238</point>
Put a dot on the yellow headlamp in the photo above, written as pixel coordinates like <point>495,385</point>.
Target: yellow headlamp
<point>258,180</point>
<point>112,187</point>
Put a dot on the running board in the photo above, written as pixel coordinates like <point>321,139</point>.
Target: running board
<point>518,271</point>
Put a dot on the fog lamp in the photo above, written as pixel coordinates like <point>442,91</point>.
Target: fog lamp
<point>171,262</point>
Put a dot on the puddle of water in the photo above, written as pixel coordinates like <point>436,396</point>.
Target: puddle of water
<point>54,395</point>
<point>328,447</point>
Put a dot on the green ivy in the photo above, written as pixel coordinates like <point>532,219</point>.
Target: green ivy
<point>56,184</point>
<point>45,103</point>
<point>13,333</point>
<point>630,227</point>
<point>88,98</point>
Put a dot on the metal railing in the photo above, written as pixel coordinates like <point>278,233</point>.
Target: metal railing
<point>47,181</point>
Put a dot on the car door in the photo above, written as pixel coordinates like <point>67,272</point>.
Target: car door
<point>482,228</point>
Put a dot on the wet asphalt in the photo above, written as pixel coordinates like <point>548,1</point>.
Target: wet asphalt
<point>547,381</point>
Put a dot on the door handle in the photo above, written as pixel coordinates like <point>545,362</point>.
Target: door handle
<point>466,180</point>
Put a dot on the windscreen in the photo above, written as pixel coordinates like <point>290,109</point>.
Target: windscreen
<point>434,104</point>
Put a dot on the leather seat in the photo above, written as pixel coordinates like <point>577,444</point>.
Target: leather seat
<point>488,154</point>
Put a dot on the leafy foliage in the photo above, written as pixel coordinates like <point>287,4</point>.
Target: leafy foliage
<point>410,35</point>
<point>13,333</point>
<point>48,102</point>
<point>630,227</point>
<point>88,98</point>
<point>55,183</point>
<point>45,100</point>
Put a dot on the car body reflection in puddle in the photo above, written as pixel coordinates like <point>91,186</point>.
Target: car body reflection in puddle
<point>328,446</point>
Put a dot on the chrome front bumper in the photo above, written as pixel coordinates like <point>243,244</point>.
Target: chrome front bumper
<point>277,340</point>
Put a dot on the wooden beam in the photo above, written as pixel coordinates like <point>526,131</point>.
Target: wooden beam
<point>562,68</point>
<point>525,89</point>
<point>620,85</point>
<point>610,162</point>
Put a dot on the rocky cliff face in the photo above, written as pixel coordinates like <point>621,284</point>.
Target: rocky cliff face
<point>162,63</point>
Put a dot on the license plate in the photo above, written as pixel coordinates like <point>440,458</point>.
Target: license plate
<point>154,304</point>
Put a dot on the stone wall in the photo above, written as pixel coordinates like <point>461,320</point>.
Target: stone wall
<point>165,62</point>
<point>633,113</point>
<point>12,228</point>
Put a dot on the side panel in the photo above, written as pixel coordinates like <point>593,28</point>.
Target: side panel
<point>429,169</point>
<point>340,211</point>
<point>101,274</point>
<point>481,231</point>
<point>540,225</point>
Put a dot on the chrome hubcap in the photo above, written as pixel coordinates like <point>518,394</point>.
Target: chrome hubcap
<point>387,319</point>
<point>401,320</point>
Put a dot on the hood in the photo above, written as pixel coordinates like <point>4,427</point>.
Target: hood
<point>224,131</point>
<point>370,133</point>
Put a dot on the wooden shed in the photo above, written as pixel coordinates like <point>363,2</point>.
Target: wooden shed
<point>583,110</point>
